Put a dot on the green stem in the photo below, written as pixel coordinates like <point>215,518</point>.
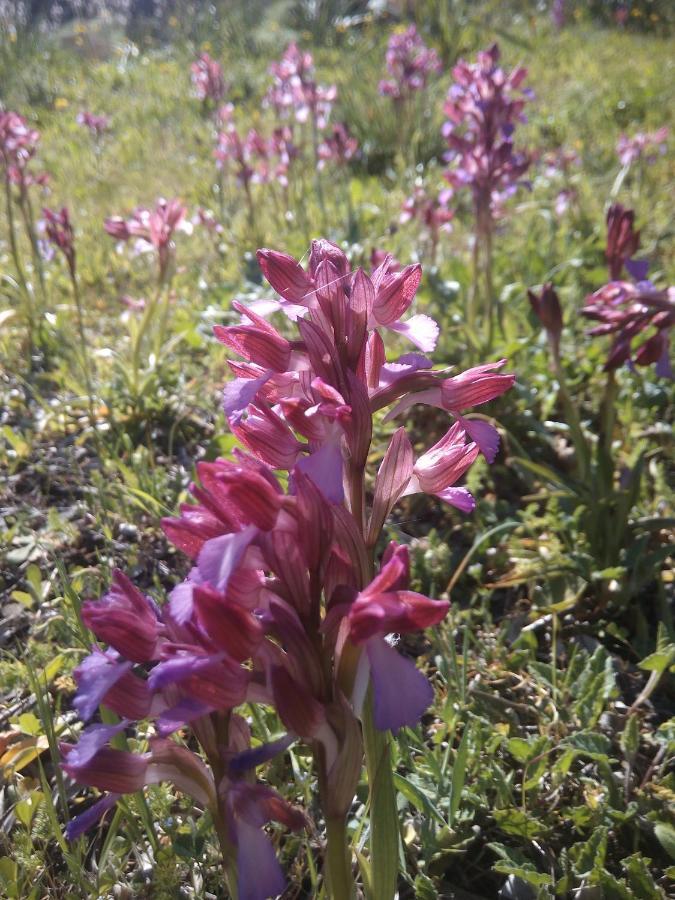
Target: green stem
<point>572,415</point>
<point>338,860</point>
<point>14,249</point>
<point>384,833</point>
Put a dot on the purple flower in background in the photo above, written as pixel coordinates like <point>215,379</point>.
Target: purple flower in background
<point>410,63</point>
<point>338,146</point>
<point>97,125</point>
<point>431,212</point>
<point>484,106</point>
<point>59,232</point>
<point>295,92</point>
<point>623,240</point>
<point>152,229</point>
<point>18,145</point>
<point>647,145</point>
<point>207,79</point>
<point>626,310</point>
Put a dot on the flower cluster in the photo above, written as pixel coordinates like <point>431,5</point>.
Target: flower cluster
<point>284,604</point>
<point>152,229</point>
<point>207,79</point>
<point>483,108</point>
<point>410,63</point>
<point>97,125</point>
<point>254,158</point>
<point>338,146</point>
<point>647,145</point>
<point>59,231</point>
<point>295,91</point>
<point>623,240</point>
<point>18,144</point>
<point>626,310</point>
<point>546,307</point>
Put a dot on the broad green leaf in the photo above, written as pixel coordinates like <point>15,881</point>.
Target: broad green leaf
<point>590,743</point>
<point>665,835</point>
<point>640,878</point>
<point>515,821</point>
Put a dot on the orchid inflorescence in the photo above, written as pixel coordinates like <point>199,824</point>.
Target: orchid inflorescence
<point>96,124</point>
<point>152,229</point>
<point>431,211</point>
<point>18,145</point>
<point>647,145</point>
<point>483,107</point>
<point>285,604</point>
<point>410,63</point>
<point>626,309</point>
<point>295,93</point>
<point>207,79</point>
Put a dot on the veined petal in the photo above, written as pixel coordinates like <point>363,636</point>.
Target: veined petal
<point>392,477</point>
<point>422,330</point>
<point>325,468</point>
<point>220,556</point>
<point>459,497</point>
<point>238,393</point>
<point>485,435</point>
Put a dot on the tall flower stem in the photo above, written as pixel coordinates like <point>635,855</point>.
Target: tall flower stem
<point>489,286</point>
<point>85,361</point>
<point>384,835</point>
<point>573,418</point>
<point>317,173</point>
<point>21,275</point>
<point>338,860</point>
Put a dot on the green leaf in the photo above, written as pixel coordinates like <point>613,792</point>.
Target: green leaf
<point>459,774</point>
<point>665,835</point>
<point>515,821</point>
<point>29,724</point>
<point>418,798</point>
<point>659,661</point>
<point>590,855</point>
<point>640,878</point>
<point>589,743</point>
<point>630,738</point>
<point>513,862</point>
<point>25,809</point>
<point>424,888</point>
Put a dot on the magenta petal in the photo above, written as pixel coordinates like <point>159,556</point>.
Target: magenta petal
<point>485,435</point>
<point>401,692</point>
<point>220,556</point>
<point>324,468</point>
<point>181,602</point>
<point>259,873</point>
<point>421,330</point>
<point>86,820</point>
<point>460,498</point>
